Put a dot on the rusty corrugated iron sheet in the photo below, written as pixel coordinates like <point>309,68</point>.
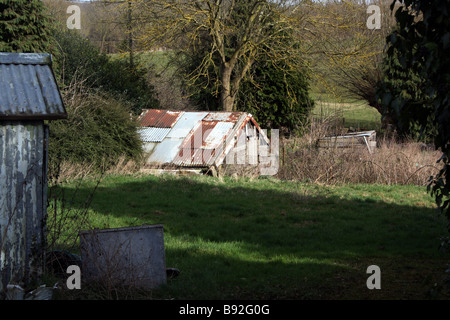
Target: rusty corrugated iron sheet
<point>158,118</point>
<point>28,89</point>
<point>202,146</point>
<point>223,116</point>
<point>166,151</point>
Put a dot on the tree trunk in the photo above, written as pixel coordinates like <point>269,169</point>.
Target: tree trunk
<point>226,98</point>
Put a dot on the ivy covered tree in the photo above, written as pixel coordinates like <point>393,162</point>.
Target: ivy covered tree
<point>278,98</point>
<point>417,88</point>
<point>404,90</point>
<point>24,27</point>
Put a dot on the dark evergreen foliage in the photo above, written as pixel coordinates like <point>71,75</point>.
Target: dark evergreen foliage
<point>24,27</point>
<point>417,86</point>
<point>277,97</point>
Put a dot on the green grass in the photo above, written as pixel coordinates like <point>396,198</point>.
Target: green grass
<point>354,113</point>
<point>271,239</point>
<point>357,115</point>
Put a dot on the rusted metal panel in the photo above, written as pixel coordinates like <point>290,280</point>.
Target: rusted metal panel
<point>232,140</point>
<point>186,122</point>
<point>223,116</point>
<point>22,201</point>
<point>166,151</point>
<point>159,118</point>
<point>203,144</point>
<point>28,88</point>
<point>217,135</point>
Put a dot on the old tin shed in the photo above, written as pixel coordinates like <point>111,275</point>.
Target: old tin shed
<point>28,96</point>
<point>200,139</point>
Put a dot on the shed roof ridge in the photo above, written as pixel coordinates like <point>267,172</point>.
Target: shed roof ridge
<point>25,58</point>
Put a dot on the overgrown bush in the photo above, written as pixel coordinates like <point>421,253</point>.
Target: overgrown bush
<point>99,132</point>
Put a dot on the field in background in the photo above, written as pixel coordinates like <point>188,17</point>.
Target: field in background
<point>242,238</point>
<point>355,114</point>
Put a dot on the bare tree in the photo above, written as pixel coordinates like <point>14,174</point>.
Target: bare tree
<point>346,54</point>
<point>237,33</point>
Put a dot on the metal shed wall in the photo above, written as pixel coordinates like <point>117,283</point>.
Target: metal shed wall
<point>29,95</point>
<point>22,201</point>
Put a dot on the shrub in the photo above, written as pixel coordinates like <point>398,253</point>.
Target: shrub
<point>99,131</point>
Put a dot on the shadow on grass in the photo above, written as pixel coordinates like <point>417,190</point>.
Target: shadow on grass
<point>263,239</point>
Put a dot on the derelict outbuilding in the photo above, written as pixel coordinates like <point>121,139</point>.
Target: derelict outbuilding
<point>201,139</point>
<point>29,95</point>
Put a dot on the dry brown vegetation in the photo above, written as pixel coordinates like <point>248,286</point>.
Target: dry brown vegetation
<point>392,162</point>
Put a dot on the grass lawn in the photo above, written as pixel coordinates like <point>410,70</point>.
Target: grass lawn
<point>271,239</point>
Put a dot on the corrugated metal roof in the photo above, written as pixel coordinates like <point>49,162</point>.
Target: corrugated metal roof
<point>158,118</point>
<point>223,116</point>
<point>28,89</point>
<point>166,151</point>
<point>186,122</point>
<point>220,130</point>
<point>196,139</point>
<point>151,134</point>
